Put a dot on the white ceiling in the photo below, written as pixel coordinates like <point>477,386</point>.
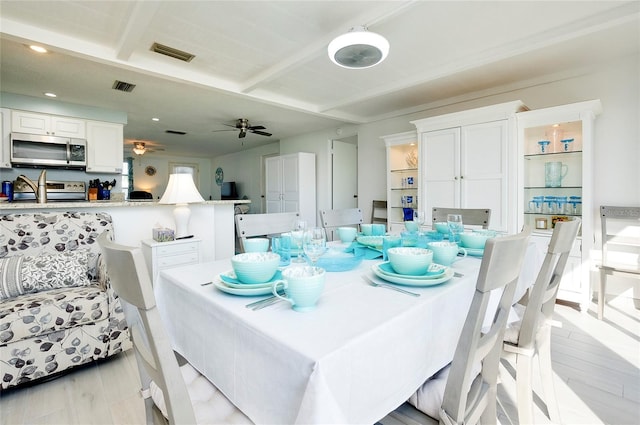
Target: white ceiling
<point>267,61</point>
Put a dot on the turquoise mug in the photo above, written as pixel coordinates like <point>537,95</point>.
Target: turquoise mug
<point>256,245</point>
<point>302,287</point>
<point>378,229</point>
<point>367,229</point>
<point>446,253</point>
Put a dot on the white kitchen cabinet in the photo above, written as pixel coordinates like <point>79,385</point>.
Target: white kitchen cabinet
<point>560,137</point>
<point>5,141</point>
<point>48,125</point>
<point>469,160</point>
<point>291,185</point>
<point>403,177</point>
<point>105,144</point>
<point>165,255</point>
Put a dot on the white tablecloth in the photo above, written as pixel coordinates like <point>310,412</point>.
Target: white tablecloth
<point>359,355</point>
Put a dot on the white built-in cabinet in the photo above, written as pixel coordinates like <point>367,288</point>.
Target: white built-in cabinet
<point>104,147</point>
<point>469,160</point>
<point>5,134</point>
<point>48,125</point>
<point>567,135</point>
<point>402,177</point>
<point>165,255</point>
<point>290,185</point>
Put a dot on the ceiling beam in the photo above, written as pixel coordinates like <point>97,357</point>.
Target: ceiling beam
<point>138,23</point>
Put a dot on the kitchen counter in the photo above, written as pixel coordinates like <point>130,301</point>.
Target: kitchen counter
<point>212,222</point>
<point>21,205</point>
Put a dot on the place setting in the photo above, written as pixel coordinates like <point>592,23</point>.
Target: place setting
<point>412,266</point>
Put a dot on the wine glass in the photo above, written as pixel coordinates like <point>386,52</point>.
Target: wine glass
<point>419,217</point>
<point>454,222</point>
<point>315,243</point>
<point>297,237</point>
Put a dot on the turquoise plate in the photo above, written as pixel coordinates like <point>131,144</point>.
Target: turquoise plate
<point>232,281</point>
<point>474,252</point>
<point>248,292</point>
<point>435,271</point>
<point>404,280</point>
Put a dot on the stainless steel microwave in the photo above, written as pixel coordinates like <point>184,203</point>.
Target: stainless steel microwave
<point>53,151</point>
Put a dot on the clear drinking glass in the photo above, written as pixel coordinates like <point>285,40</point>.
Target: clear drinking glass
<point>419,217</point>
<point>315,243</point>
<point>454,221</point>
<point>297,237</point>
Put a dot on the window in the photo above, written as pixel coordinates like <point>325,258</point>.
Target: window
<point>184,168</point>
<point>125,179</point>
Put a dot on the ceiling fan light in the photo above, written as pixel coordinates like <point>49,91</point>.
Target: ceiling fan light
<point>139,148</point>
<point>358,49</point>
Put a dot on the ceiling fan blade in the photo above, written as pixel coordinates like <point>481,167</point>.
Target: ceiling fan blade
<point>216,131</point>
<point>257,127</point>
<point>262,133</point>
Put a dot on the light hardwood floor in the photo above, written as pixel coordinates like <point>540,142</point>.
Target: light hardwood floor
<point>597,366</point>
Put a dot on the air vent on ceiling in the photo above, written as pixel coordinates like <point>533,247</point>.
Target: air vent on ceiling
<point>182,133</point>
<point>171,52</point>
<point>122,86</point>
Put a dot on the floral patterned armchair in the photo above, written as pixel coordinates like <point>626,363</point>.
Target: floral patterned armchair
<point>57,308</point>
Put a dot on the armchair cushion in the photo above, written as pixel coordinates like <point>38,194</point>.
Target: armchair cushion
<point>21,275</point>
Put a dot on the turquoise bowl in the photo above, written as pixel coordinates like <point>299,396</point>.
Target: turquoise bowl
<point>410,260</point>
<point>256,245</point>
<point>442,227</point>
<point>474,240</point>
<point>255,267</point>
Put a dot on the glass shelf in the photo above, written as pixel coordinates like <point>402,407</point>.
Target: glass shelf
<point>551,154</point>
<point>545,187</point>
<point>404,188</point>
<point>404,170</point>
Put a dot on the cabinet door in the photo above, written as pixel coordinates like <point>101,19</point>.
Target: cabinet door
<point>5,138</point>
<point>441,170</point>
<point>105,146</point>
<point>290,184</point>
<point>483,170</point>
<point>273,184</point>
<point>68,127</point>
<point>29,122</point>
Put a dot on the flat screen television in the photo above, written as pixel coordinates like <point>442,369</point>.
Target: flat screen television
<point>228,191</point>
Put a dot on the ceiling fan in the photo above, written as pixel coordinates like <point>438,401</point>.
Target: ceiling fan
<point>242,124</point>
<point>140,148</point>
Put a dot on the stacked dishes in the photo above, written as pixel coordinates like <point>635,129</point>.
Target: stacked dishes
<point>253,274</point>
<point>412,267</point>
<point>474,241</point>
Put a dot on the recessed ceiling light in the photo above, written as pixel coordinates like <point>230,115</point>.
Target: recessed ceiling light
<point>38,49</point>
<point>155,119</point>
<point>51,94</point>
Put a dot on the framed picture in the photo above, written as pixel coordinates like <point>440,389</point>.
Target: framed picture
<point>541,223</point>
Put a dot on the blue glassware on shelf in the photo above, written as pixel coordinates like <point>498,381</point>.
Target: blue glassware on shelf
<point>565,144</point>
<point>544,146</point>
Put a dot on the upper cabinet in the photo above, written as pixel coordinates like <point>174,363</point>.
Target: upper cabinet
<point>104,147</point>
<point>402,177</point>
<point>469,160</point>
<point>48,125</point>
<point>556,183</point>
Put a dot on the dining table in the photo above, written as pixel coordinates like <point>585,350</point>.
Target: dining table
<point>357,356</point>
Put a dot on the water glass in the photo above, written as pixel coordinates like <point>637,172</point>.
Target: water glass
<point>315,243</point>
<point>419,217</point>
<point>282,247</point>
<point>297,238</point>
<point>454,222</point>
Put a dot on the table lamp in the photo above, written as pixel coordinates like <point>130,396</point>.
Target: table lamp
<point>181,191</point>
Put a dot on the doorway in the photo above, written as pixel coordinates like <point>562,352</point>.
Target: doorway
<point>344,173</point>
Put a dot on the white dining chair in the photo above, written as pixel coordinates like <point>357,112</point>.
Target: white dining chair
<point>620,247</point>
<point>531,335</point>
<point>332,219</point>
<point>464,392</point>
<point>470,216</point>
<point>250,225</point>
<point>177,394</point>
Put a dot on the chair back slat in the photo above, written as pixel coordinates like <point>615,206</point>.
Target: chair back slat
<point>332,219</point>
<point>250,225</point>
<point>379,212</point>
<point>470,216</point>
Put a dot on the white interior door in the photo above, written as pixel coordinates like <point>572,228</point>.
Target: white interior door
<point>345,173</point>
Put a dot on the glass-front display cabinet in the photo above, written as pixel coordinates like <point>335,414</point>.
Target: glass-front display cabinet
<point>556,183</point>
<point>402,178</point>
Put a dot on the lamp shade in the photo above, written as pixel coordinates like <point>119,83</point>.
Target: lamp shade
<point>181,190</point>
<point>358,49</point>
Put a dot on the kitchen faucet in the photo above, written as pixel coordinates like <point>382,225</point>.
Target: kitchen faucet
<point>40,189</point>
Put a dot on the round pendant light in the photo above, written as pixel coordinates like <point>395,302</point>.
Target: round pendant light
<point>358,49</point>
